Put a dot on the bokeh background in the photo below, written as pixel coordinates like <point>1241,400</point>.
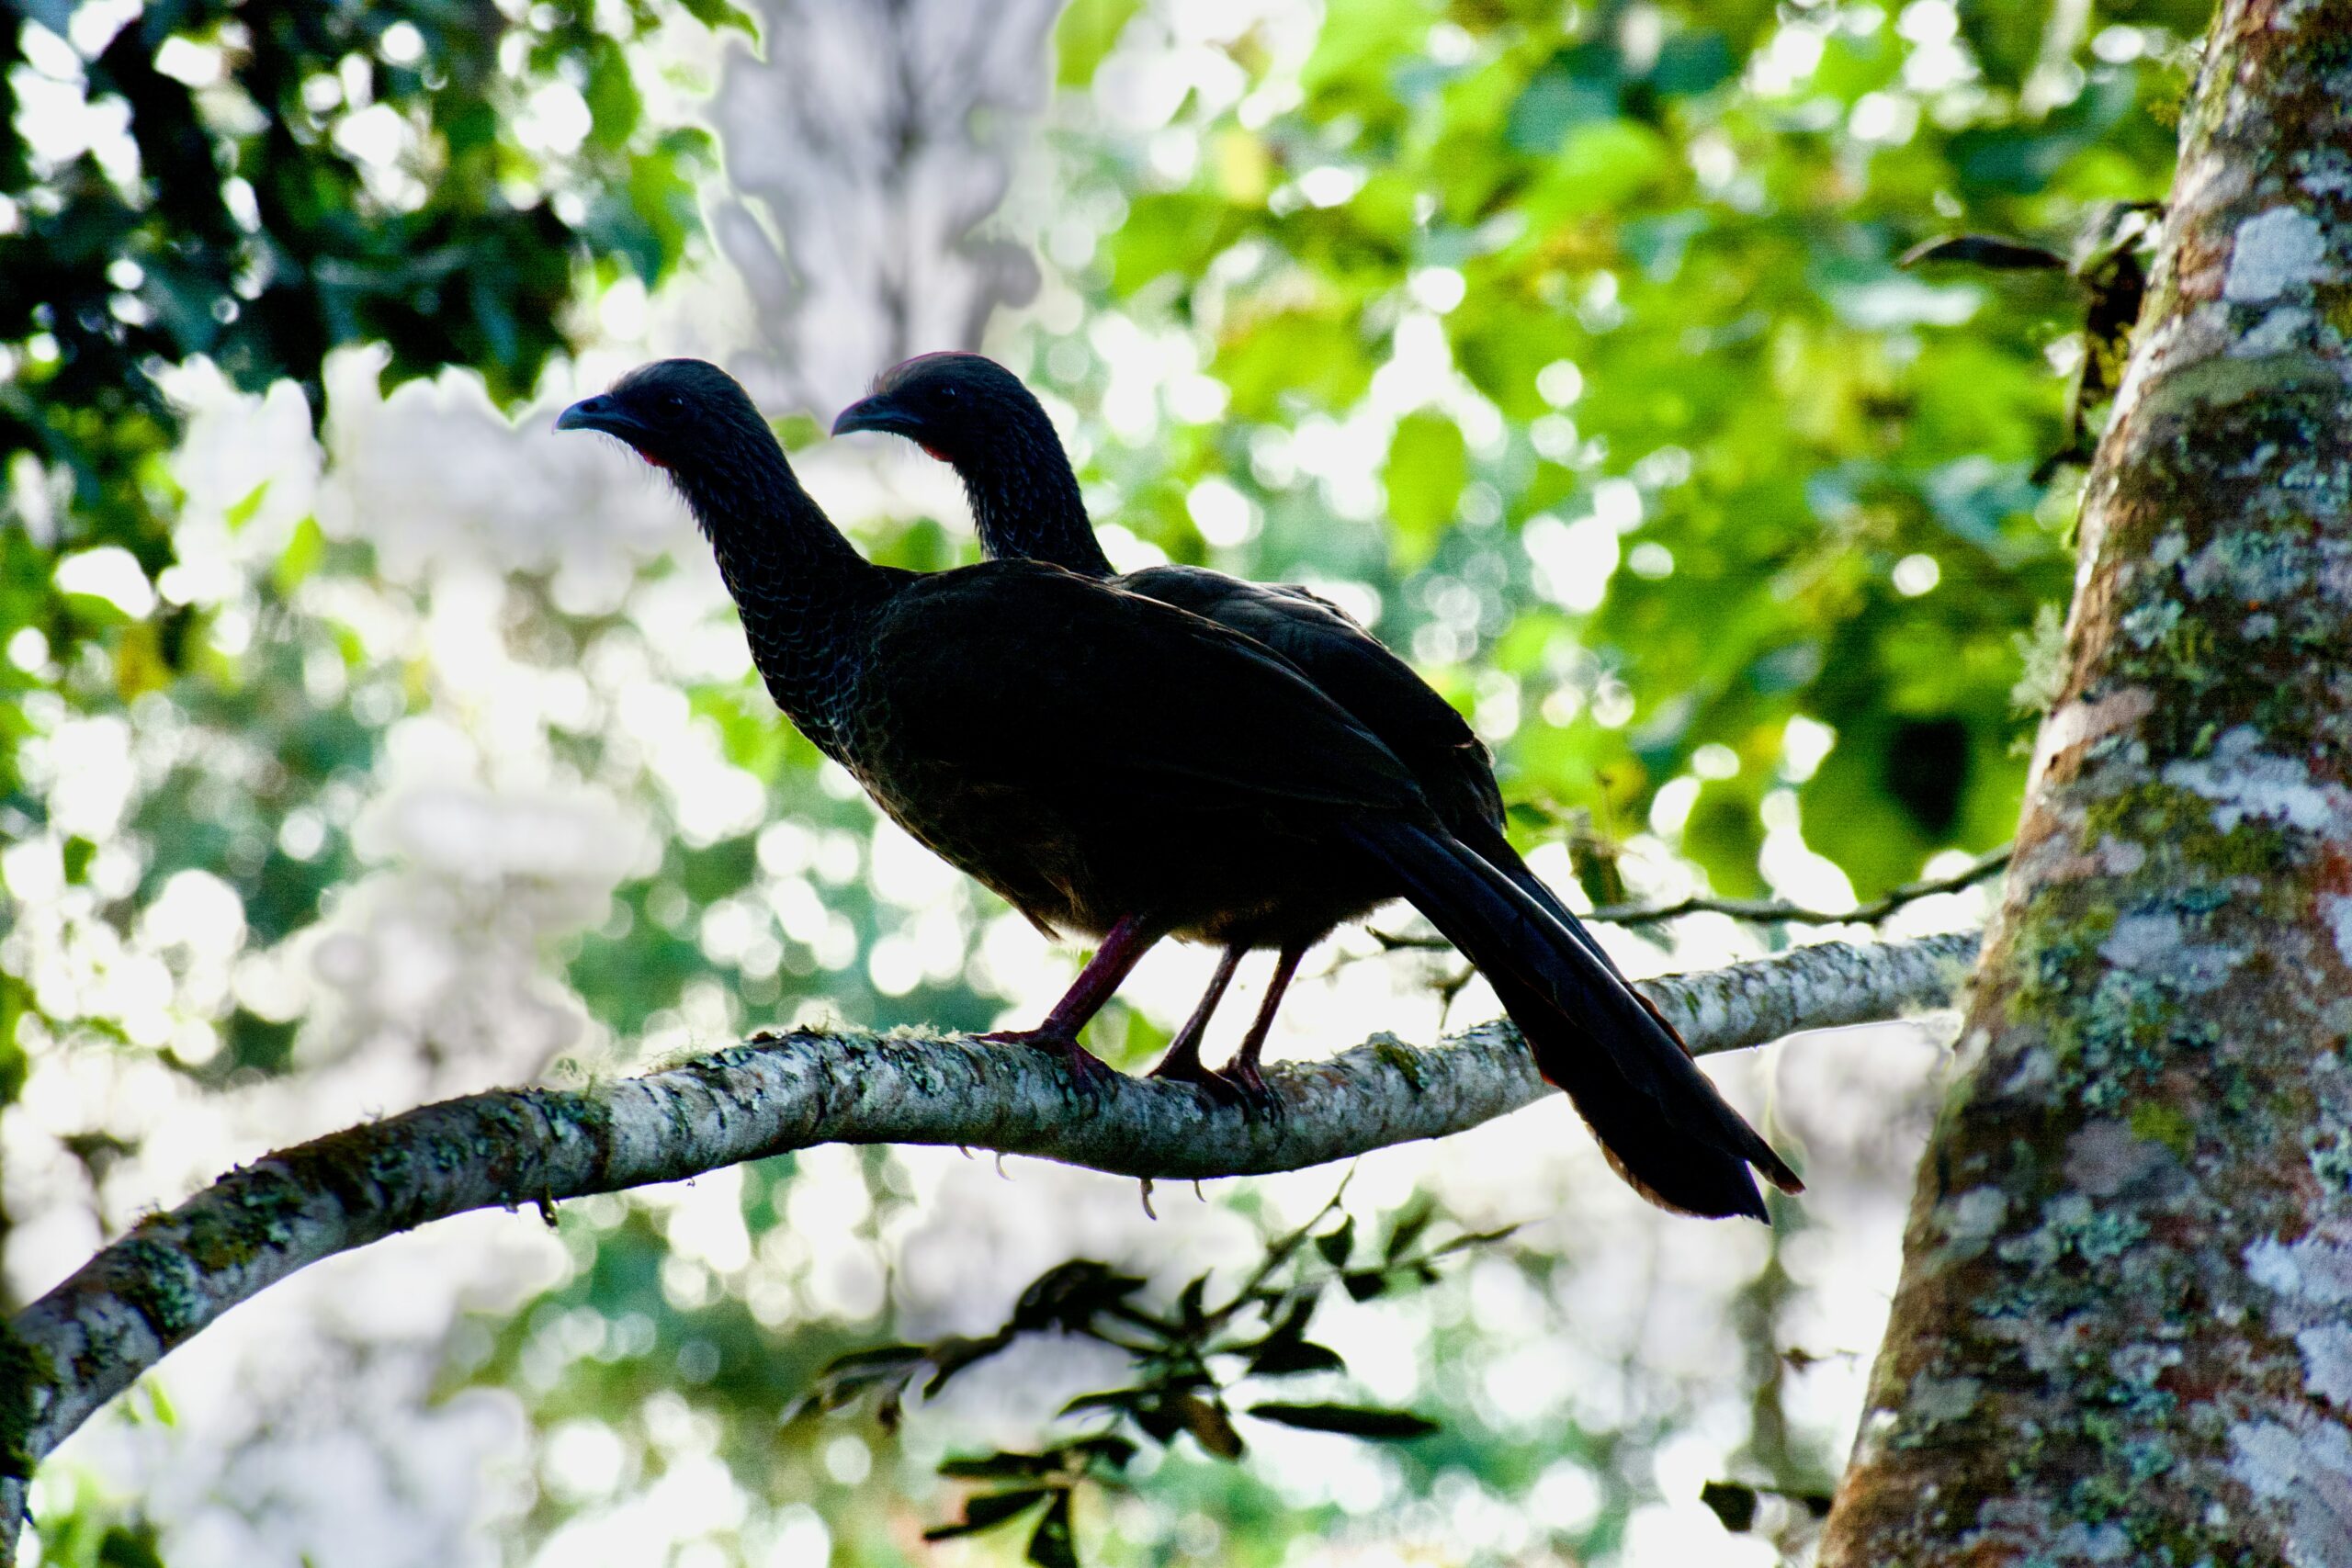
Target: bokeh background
<point>365,743</point>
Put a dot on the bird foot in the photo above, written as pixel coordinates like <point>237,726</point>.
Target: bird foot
<point>1186,1067</point>
<point>1090,1072</point>
<point>1243,1080</point>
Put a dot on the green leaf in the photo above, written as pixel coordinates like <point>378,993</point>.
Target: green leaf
<point>1429,464</point>
<point>1476,1238</point>
<point>1107,1447</point>
<point>1208,1422</point>
<point>878,1355</point>
<point>1188,1305</point>
<point>1000,1466</point>
<point>1352,1420</point>
<point>1169,232</point>
<point>301,556</point>
<point>614,106</point>
<point>124,1546</point>
<point>1409,1226</point>
<point>1732,1504</point>
<point>1313,357</point>
<point>1724,835</point>
<point>1053,1544</point>
<point>241,512</point>
<point>1160,1423</point>
<point>1087,31</point>
<point>1364,41</point>
<point>1286,1358</point>
<point>1335,1246</point>
<point>1067,1296</point>
<point>717,14</point>
<point>990,1508</point>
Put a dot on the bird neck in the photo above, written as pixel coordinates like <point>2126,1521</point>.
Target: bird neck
<point>1026,506</point>
<point>805,595</point>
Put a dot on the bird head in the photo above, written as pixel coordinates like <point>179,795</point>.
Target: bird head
<point>960,408</point>
<point>676,413</point>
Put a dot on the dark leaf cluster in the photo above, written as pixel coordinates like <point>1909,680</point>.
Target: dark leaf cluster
<point>1195,1364</point>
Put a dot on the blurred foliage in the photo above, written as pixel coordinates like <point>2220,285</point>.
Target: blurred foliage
<point>300,178</point>
<point>254,188</point>
<point>1613,292</point>
<point>1573,339</point>
<point>1190,1358</point>
<point>2109,266</point>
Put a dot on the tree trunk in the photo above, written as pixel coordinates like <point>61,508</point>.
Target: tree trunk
<point>2124,1328</point>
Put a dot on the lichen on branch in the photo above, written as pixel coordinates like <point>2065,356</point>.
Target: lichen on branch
<point>89,1338</point>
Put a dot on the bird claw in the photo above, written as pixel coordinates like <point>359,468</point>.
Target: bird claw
<point>1088,1071</point>
<point>1243,1080</point>
<point>1187,1069</point>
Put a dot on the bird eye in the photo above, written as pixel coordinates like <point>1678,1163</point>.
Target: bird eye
<point>947,393</point>
<point>675,403</point>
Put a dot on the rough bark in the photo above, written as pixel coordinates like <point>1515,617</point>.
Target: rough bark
<point>2123,1331</point>
<point>89,1338</point>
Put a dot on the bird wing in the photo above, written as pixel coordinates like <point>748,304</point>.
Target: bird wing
<point>1353,668</point>
<point>1025,675</point>
<point>1382,692</point>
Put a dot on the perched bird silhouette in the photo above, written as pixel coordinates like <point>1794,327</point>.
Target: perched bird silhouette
<point>1661,1124</point>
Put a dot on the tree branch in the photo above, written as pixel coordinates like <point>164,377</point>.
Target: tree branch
<point>90,1338</point>
<point>1760,911</point>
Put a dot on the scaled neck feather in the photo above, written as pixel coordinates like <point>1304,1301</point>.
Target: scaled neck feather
<point>1025,500</point>
<point>804,594</point>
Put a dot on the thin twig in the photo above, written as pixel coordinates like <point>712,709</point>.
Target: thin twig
<point>1761,911</point>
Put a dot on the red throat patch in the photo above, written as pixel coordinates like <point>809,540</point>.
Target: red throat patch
<point>935,452</point>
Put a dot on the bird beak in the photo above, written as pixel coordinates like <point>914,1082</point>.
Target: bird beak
<point>601,412</point>
<point>878,414</point>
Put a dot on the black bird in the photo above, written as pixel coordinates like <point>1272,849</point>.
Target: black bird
<point>1659,1120</point>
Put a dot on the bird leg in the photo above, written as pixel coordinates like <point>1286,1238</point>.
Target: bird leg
<point>1183,1062</point>
<point>1122,946</point>
<point>1242,1071</point>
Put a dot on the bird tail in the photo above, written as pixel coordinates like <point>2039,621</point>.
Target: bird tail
<point>1657,1118</point>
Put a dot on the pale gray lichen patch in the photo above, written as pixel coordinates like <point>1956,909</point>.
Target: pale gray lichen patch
<point>2079,1542</point>
<point>2104,1157</point>
<point>2246,783</point>
<point>2336,908</point>
<point>2288,327</point>
<point>2305,1463</point>
<point>2150,940</point>
<point>2035,1068</point>
<point>2275,251</point>
<point>2153,942</point>
<point>1935,1399</point>
<point>1969,1221</point>
<point>1975,1215</point>
<point>2324,171</point>
<point>2141,1365</point>
<point>2310,1284</point>
<point>2327,1361</point>
<point>2317,1269</point>
<point>2248,565</point>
